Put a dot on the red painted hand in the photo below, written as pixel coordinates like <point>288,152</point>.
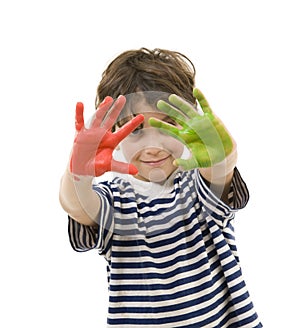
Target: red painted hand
<point>92,153</point>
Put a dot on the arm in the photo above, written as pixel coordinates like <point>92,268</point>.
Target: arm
<point>91,157</point>
<point>78,199</point>
<point>219,177</point>
<point>220,187</point>
<point>212,148</point>
<point>223,213</point>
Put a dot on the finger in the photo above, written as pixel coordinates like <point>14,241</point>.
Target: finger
<point>183,105</point>
<point>122,167</point>
<point>130,126</point>
<point>186,164</point>
<point>172,112</point>
<point>202,101</point>
<point>101,111</point>
<point>79,119</point>
<point>114,113</point>
<point>170,129</point>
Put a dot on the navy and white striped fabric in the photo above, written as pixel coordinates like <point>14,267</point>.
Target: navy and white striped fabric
<point>172,259</point>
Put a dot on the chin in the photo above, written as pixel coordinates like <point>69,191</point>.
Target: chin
<point>157,175</point>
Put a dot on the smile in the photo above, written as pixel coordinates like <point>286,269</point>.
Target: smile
<point>155,162</point>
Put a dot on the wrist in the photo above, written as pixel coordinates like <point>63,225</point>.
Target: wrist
<point>78,178</point>
<point>221,173</point>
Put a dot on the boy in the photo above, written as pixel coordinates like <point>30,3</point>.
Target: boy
<point>164,223</point>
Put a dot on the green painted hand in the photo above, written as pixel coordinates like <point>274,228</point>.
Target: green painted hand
<point>205,135</point>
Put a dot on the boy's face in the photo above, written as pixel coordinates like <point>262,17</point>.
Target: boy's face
<point>151,151</point>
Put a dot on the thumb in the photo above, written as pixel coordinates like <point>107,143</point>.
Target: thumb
<point>186,164</point>
<point>79,119</point>
<point>122,167</point>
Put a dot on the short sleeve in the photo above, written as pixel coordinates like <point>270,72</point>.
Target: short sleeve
<point>84,238</point>
<point>239,194</point>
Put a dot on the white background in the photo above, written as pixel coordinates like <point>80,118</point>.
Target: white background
<point>52,55</point>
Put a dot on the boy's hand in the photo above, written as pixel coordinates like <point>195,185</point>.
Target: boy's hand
<point>93,147</point>
<point>205,135</point>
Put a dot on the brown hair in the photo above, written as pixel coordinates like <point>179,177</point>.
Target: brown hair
<point>148,70</point>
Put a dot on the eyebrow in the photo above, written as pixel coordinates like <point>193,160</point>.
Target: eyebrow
<point>126,119</point>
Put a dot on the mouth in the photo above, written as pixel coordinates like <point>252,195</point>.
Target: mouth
<point>156,162</point>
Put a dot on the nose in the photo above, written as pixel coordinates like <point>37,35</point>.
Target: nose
<point>151,139</point>
<point>154,151</point>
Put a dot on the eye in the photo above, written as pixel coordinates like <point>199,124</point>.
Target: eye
<point>137,131</point>
<point>171,121</point>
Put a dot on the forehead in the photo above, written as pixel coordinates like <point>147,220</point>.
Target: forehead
<point>142,102</point>
<point>147,111</point>
<point>140,107</point>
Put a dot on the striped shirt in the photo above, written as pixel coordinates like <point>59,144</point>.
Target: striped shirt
<point>171,253</point>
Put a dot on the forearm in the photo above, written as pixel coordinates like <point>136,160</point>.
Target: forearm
<point>219,177</point>
<point>219,186</point>
<point>78,198</point>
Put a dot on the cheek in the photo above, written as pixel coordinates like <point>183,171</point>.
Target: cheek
<point>128,149</point>
<point>173,146</point>
<point>150,138</point>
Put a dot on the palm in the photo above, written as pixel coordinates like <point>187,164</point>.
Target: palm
<point>204,135</point>
<point>93,147</point>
